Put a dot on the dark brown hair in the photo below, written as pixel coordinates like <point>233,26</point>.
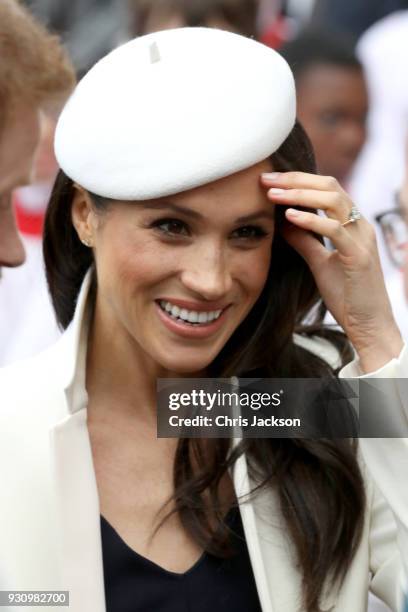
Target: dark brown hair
<point>240,14</point>
<point>318,482</point>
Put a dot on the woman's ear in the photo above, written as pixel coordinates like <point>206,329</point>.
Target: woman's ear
<point>83,216</point>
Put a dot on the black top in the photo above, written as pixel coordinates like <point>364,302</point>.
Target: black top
<point>135,584</point>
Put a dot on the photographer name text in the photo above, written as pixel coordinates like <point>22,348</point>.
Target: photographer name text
<point>225,421</point>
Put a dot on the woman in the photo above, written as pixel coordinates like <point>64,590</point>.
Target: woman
<point>173,249</point>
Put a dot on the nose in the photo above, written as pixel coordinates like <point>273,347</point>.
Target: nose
<point>207,272</point>
<point>12,253</point>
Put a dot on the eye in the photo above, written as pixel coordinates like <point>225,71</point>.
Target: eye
<point>330,119</point>
<point>249,232</point>
<point>171,227</point>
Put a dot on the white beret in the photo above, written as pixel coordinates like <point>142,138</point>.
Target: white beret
<point>174,110</point>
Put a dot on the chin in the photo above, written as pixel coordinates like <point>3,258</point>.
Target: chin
<point>186,365</point>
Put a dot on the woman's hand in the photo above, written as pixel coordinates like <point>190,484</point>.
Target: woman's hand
<point>349,278</point>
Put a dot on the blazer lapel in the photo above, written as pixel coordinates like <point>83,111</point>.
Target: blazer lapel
<point>273,559</point>
<point>242,488</point>
<point>78,512</point>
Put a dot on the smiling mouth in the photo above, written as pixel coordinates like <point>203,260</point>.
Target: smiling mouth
<point>190,318</point>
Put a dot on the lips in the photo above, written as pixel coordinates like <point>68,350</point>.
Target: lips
<point>194,317</point>
<point>185,328</point>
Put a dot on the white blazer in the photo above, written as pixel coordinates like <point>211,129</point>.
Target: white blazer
<point>49,509</point>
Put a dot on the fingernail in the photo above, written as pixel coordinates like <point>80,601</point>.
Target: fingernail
<point>271,176</point>
<point>292,212</point>
<point>276,191</point>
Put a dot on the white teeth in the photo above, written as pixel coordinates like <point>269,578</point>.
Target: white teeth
<point>175,310</point>
<point>193,317</point>
<point>190,316</point>
<point>202,317</point>
<point>183,314</point>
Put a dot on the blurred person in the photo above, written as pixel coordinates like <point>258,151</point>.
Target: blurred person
<point>394,226</point>
<point>378,173</point>
<point>35,75</point>
<point>234,15</point>
<point>30,201</point>
<point>332,98</point>
<point>27,321</point>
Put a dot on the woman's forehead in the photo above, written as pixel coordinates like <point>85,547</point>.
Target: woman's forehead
<point>247,179</point>
<point>238,198</point>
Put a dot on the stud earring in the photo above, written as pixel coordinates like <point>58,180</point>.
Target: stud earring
<point>86,242</point>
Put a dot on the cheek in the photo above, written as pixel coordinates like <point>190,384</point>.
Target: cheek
<point>318,133</point>
<point>143,260</point>
<point>8,228</point>
<point>252,269</point>
<point>127,262</point>
<point>325,133</point>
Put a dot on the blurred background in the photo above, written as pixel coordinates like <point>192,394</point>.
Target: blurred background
<point>349,61</point>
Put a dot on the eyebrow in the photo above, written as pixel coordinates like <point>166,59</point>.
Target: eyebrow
<point>195,215</point>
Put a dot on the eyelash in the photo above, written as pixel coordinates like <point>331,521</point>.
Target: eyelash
<point>258,231</point>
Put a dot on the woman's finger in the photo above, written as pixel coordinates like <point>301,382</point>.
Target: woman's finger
<point>329,228</point>
<point>335,204</point>
<point>301,180</point>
